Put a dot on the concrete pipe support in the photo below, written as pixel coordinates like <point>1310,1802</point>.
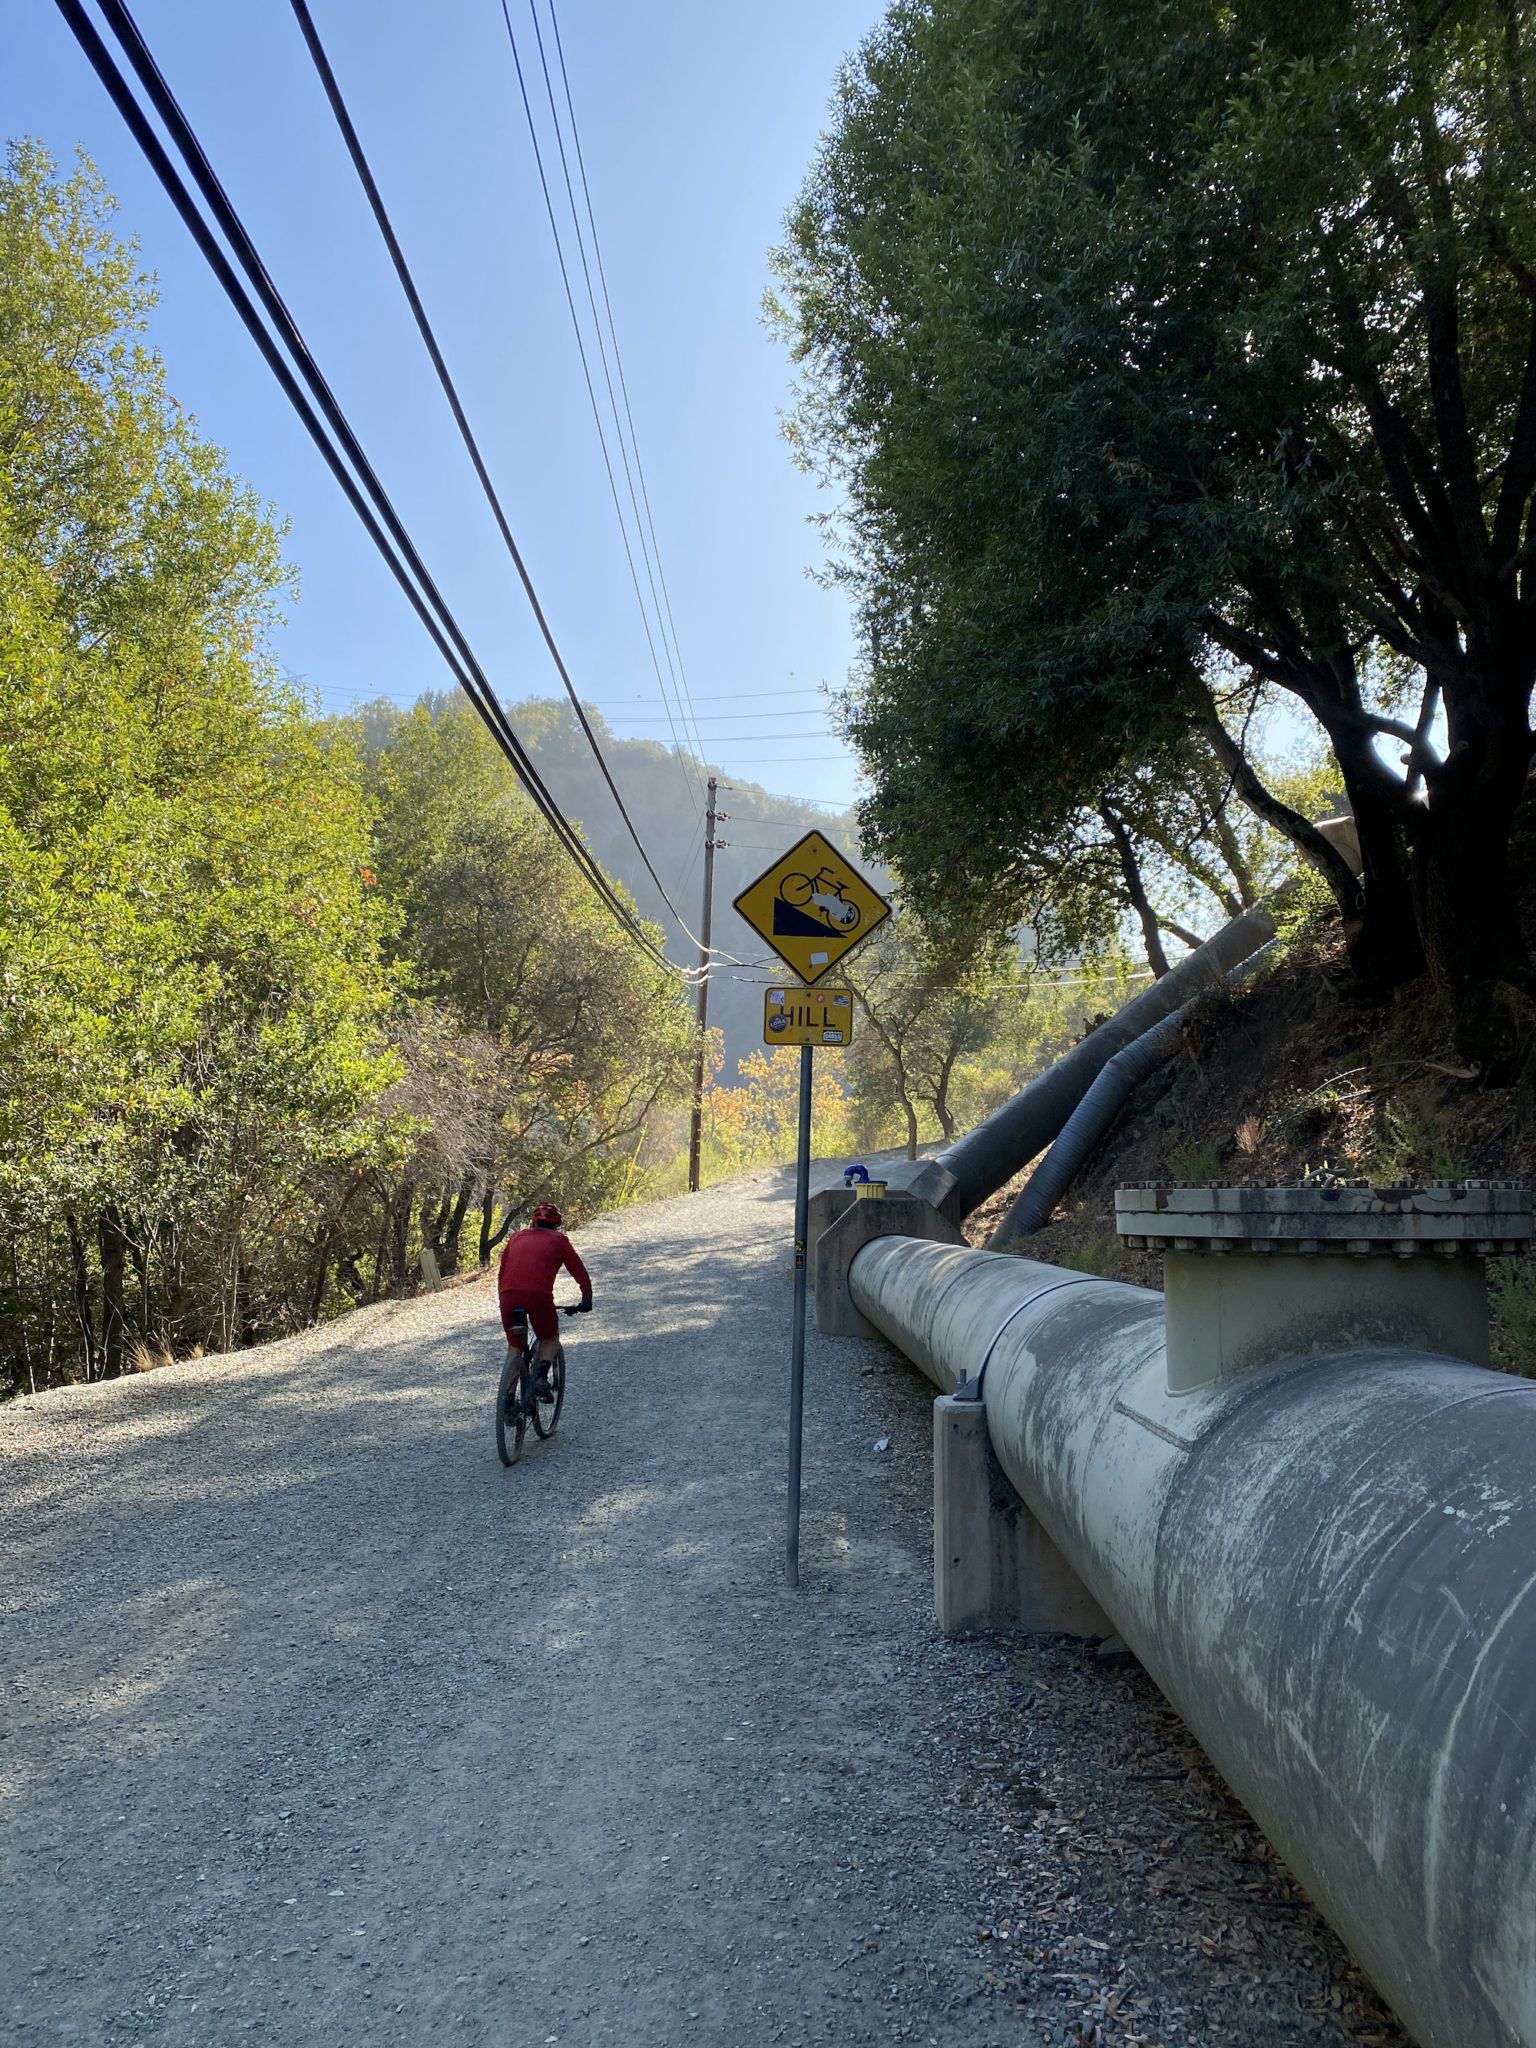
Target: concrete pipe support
<point>1328,1566</point>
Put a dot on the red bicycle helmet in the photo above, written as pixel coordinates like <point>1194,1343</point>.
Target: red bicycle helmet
<point>546,1213</point>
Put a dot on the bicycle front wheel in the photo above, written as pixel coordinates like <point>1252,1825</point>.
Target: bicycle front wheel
<point>511,1409</point>
<point>546,1414</point>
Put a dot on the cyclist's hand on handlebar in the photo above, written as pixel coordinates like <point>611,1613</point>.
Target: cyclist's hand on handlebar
<point>584,1307</point>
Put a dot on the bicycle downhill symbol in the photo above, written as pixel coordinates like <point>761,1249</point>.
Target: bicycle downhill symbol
<point>808,905</point>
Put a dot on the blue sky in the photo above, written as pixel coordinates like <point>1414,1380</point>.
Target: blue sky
<point>698,120</point>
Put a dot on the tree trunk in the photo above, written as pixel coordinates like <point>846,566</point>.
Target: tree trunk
<point>114,1325</point>
<point>448,1254</point>
<point>432,1227</point>
<point>941,1108</point>
<point>1130,869</point>
<point>1376,912</point>
<point>1232,854</point>
<point>1466,898</point>
<point>322,1270</point>
<point>400,1232</point>
<point>84,1313</point>
<point>1383,935</point>
<point>911,1115</point>
<point>381,1249</point>
<point>323,1249</point>
<point>247,1303</point>
<point>140,1255</point>
<point>21,1318</point>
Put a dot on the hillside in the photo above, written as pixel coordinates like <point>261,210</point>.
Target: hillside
<point>1292,1075</point>
<point>662,800</point>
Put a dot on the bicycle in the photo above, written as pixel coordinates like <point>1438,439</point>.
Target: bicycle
<point>517,1402</point>
<point>821,895</point>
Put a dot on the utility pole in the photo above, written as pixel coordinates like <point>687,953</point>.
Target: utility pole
<point>696,1127</point>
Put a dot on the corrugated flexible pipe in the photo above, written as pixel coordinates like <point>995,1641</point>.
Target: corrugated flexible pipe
<point>1093,1116</point>
<point>988,1157</point>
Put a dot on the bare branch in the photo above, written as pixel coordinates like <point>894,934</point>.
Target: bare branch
<point>1302,833</point>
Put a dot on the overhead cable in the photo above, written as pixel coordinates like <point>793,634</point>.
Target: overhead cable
<point>381,521</point>
<point>689,770</point>
<point>681,672</point>
<point>369,184</point>
<point>720,697</point>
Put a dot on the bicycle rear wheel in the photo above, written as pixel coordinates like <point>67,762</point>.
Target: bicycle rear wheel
<point>547,1414</point>
<point>511,1408</point>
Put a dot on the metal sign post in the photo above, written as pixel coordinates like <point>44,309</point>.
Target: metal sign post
<point>813,907</point>
<point>797,1324</point>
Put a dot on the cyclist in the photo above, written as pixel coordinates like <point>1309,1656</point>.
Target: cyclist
<point>530,1260</point>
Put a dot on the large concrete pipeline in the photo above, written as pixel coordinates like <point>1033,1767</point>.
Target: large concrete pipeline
<point>1327,1564</point>
<point>985,1158</point>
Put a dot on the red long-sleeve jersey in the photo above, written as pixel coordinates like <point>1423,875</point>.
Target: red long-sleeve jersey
<point>529,1262</point>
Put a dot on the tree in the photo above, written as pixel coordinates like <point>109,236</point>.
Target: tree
<point>1175,356</point>
<point>918,1022</point>
<point>760,1119</point>
<point>531,1001</point>
<point>276,1007</point>
<point>193,993</point>
<point>1168,844</point>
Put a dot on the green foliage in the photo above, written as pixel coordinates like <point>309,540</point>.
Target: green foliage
<point>582,1035</point>
<point>1403,1148</point>
<point>267,1023</point>
<point>1099,1253</point>
<point>919,1021</point>
<point>1170,355</point>
<point>1196,1162</point>
<point>189,955</point>
<point>1513,1306</point>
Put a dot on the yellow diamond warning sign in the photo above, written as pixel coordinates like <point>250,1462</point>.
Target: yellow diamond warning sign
<point>807,1016</point>
<point>813,907</point>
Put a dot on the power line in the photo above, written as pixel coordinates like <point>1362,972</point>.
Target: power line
<point>725,717</point>
<point>618,359</point>
<point>741,738</point>
<point>345,455</point>
<point>720,697</point>
<point>597,418</point>
<point>811,803</point>
<point>668,647</point>
<point>370,187</point>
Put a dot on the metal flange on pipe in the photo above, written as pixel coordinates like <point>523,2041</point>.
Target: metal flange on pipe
<point>1326,1560</point>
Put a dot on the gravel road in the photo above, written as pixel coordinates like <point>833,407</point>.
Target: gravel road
<point>318,1725</point>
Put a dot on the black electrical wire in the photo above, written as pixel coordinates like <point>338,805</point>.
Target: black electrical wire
<point>369,184</point>
<point>395,546</point>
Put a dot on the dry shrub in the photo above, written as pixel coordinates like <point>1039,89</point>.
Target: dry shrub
<point>148,1356</point>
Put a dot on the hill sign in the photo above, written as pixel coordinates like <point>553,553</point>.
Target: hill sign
<point>807,1016</point>
<point>813,907</point>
